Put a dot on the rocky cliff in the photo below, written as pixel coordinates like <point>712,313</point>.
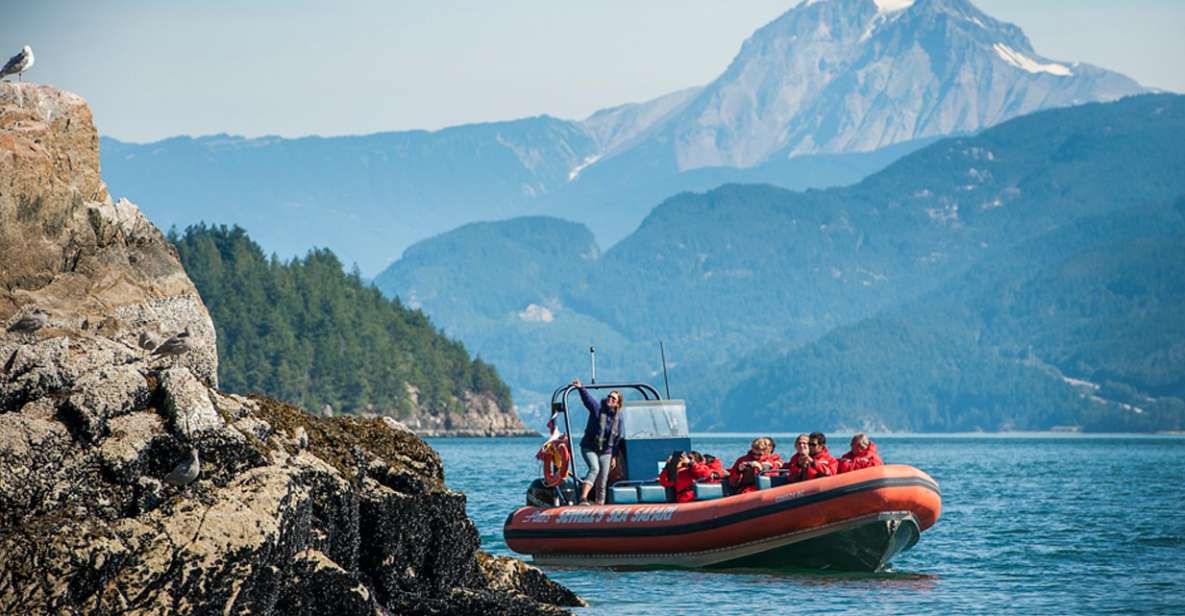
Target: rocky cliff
<point>287,514</point>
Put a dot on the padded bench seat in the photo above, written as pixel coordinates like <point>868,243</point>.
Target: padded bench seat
<point>708,491</point>
<point>623,494</point>
<point>766,482</point>
<point>653,493</point>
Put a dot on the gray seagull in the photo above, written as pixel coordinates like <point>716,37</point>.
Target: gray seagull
<point>175,346</point>
<point>18,64</point>
<point>30,323</point>
<point>148,341</point>
<point>186,470</point>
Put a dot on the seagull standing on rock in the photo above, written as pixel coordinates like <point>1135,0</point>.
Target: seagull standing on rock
<point>30,323</point>
<point>175,346</point>
<point>148,341</point>
<point>186,470</point>
<point>18,64</point>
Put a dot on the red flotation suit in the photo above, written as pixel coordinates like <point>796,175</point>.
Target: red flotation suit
<point>824,465</point>
<point>684,483</point>
<point>855,460</point>
<point>769,462</point>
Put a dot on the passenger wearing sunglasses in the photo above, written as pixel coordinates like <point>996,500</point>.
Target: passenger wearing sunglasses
<point>761,460</point>
<point>815,461</point>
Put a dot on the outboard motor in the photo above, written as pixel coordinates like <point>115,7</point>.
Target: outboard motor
<point>651,430</point>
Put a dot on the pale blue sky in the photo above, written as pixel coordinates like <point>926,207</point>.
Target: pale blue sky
<point>152,69</point>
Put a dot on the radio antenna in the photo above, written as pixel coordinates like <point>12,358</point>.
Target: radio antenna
<point>665,381</point>
<point>592,355</point>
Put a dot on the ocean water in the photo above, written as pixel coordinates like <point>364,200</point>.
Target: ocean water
<point>1034,524</point>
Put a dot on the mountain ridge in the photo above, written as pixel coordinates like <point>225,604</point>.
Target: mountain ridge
<point>809,101</point>
<point>716,273</point>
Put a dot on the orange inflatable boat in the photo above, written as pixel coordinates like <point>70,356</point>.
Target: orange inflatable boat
<point>856,521</point>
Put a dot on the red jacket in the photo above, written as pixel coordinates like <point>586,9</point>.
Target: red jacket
<point>768,462</point>
<point>796,472</point>
<point>711,473</point>
<point>823,466</point>
<point>856,460</point>
<point>684,483</point>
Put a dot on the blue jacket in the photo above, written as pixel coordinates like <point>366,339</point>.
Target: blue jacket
<point>603,432</point>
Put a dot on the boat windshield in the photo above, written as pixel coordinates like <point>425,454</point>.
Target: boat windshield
<point>649,419</point>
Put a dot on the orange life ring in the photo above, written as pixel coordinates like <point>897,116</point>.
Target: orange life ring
<point>557,461</point>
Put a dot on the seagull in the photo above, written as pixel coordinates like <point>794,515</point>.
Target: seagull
<point>18,64</point>
<point>148,341</point>
<point>30,323</point>
<point>175,346</point>
<point>186,470</point>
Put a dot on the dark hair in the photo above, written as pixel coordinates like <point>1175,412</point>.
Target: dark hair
<point>709,458</point>
<point>772,444</point>
<point>695,456</point>
<point>672,467</point>
<point>819,436</point>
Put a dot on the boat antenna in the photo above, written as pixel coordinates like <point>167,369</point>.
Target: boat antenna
<point>665,381</point>
<point>592,354</point>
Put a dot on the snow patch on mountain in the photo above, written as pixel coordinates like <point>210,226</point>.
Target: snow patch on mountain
<point>575,172</point>
<point>1023,62</point>
<point>534,313</point>
<point>890,6</point>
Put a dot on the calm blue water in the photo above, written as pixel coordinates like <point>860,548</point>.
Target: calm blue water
<point>1035,524</point>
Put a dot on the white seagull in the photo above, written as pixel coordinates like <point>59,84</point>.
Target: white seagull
<point>18,64</point>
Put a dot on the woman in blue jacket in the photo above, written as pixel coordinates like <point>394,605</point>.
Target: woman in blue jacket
<point>601,436</point>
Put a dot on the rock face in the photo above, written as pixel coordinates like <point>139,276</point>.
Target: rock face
<point>290,513</point>
<point>482,417</point>
<point>99,268</point>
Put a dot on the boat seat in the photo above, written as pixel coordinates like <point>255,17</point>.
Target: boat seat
<point>708,491</point>
<point>766,482</point>
<point>652,493</point>
<point>623,494</point>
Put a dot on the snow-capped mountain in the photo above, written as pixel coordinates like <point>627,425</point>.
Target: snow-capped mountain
<point>834,76</point>
<point>826,94</point>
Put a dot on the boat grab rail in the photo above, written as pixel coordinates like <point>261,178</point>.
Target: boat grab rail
<point>559,404</point>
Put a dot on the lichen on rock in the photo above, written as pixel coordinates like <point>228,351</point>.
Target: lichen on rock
<point>290,513</point>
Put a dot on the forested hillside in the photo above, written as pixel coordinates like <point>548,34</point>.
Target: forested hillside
<point>304,330</point>
<point>742,274</point>
<point>1079,327</point>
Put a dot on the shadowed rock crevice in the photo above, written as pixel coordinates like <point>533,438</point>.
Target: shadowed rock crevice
<point>289,513</point>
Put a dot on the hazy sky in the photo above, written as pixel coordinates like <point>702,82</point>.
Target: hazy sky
<point>152,69</point>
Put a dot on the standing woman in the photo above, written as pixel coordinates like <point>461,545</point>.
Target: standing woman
<point>601,437</point>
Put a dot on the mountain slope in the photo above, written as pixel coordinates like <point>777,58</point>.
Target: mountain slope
<point>849,75</point>
<point>757,269</point>
<point>1080,326</point>
<point>365,197</point>
<point>822,96</point>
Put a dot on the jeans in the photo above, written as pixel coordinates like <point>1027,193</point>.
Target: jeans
<point>598,471</point>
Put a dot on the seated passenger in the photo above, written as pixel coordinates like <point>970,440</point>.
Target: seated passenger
<point>796,467</point>
<point>715,469</point>
<point>862,455</point>
<point>820,464</point>
<point>761,459</point>
<point>699,470</point>
<point>678,475</point>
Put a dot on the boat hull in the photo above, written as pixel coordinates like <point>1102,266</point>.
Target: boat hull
<point>854,522</point>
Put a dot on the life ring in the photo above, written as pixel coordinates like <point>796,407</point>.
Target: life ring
<point>557,461</point>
